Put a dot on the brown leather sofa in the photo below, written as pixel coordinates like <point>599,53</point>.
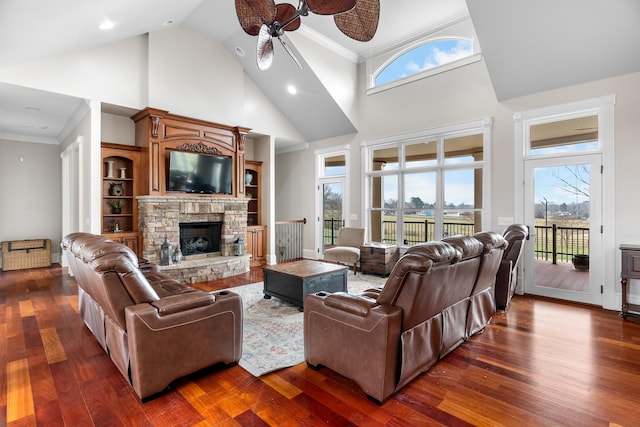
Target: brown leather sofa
<point>385,337</point>
<point>507,278</point>
<point>154,329</point>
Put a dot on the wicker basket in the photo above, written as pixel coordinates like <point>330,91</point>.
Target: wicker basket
<point>21,254</point>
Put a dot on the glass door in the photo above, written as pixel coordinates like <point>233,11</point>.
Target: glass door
<point>332,198</point>
<point>332,212</point>
<point>563,211</point>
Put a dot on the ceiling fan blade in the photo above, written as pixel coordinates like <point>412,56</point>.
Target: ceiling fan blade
<point>290,52</point>
<point>265,48</point>
<point>330,7</point>
<point>284,13</point>
<point>253,13</point>
<point>361,22</point>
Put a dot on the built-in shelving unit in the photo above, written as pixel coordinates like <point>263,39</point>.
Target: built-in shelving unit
<point>120,183</point>
<point>256,232</point>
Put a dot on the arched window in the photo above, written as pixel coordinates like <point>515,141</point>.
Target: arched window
<point>427,56</point>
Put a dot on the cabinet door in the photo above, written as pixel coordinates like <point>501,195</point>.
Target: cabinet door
<point>257,244</point>
<point>260,244</point>
<point>131,242</point>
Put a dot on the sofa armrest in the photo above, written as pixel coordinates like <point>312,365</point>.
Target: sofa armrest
<point>355,337</point>
<point>503,284</point>
<point>181,302</point>
<point>165,347</point>
<point>354,304</point>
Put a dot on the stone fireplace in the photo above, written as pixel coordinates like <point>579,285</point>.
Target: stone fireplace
<point>197,238</point>
<point>164,215</point>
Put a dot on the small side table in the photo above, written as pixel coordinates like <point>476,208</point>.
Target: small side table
<point>630,270</point>
<point>378,258</point>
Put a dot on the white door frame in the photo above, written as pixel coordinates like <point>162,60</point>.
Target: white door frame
<point>604,108</point>
<point>320,155</point>
<point>593,295</point>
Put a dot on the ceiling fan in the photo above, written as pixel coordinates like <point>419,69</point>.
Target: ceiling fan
<point>357,19</point>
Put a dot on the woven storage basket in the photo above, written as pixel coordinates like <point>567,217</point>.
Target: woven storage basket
<point>21,254</point>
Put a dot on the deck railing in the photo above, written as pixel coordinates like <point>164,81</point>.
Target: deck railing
<point>414,231</point>
<point>559,244</point>
<point>552,243</point>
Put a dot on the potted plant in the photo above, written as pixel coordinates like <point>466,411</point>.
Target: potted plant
<point>580,262</point>
<point>116,206</point>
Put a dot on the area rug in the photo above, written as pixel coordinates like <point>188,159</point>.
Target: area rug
<point>273,329</point>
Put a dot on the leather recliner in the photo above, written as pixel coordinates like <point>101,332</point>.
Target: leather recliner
<point>507,277</point>
<point>154,329</point>
<point>384,338</point>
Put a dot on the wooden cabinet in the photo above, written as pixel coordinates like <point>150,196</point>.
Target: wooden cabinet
<point>256,232</point>
<point>257,243</point>
<point>630,270</point>
<point>120,187</point>
<point>160,132</point>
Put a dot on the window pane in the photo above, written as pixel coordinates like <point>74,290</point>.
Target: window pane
<point>389,221</point>
<point>335,166</point>
<point>384,192</point>
<point>421,154</point>
<point>385,159</point>
<point>463,149</point>
<point>565,136</point>
<point>424,57</point>
<point>463,189</point>
<point>420,190</point>
<point>418,226</point>
<point>460,223</point>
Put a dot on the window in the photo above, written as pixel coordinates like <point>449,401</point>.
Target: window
<point>448,46</point>
<point>429,185</point>
<point>424,57</point>
<point>569,136</point>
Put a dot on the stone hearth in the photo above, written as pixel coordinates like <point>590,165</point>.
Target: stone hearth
<point>162,215</point>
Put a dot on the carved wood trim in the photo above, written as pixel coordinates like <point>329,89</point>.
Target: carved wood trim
<point>156,126</point>
<point>198,147</point>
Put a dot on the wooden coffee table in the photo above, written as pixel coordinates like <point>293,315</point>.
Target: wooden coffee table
<point>293,281</point>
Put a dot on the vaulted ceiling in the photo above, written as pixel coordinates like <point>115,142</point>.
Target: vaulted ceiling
<point>527,46</point>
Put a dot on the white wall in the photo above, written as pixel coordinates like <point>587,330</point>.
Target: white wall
<point>30,192</point>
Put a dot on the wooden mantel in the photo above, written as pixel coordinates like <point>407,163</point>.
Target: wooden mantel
<point>158,131</point>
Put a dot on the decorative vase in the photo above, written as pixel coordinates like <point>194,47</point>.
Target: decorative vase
<point>248,178</point>
<point>116,211</point>
<point>123,173</point>
<point>110,169</point>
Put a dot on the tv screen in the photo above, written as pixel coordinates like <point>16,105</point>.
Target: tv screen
<point>199,173</point>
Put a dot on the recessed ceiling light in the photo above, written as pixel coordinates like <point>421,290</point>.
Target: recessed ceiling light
<point>292,89</point>
<point>239,51</point>
<point>169,22</point>
<point>107,25</point>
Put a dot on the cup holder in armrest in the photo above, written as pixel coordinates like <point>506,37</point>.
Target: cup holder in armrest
<point>222,293</point>
<point>322,294</point>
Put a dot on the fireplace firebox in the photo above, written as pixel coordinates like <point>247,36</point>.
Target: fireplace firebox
<point>200,237</point>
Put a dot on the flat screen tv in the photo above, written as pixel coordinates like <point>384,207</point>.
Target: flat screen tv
<point>199,173</point>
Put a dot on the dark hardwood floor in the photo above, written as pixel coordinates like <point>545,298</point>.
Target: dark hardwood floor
<point>542,363</point>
